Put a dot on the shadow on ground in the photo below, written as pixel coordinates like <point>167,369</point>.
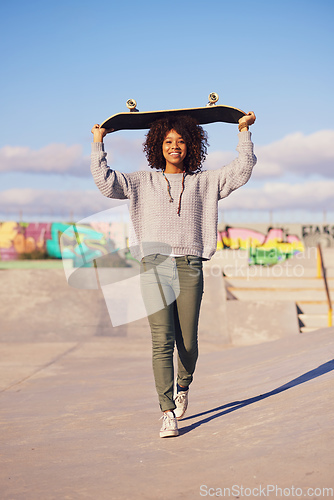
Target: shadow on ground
<point>237,405</point>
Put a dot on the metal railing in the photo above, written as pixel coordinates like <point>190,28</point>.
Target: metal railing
<point>321,272</point>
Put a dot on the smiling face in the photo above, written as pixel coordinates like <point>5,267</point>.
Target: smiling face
<point>174,150</point>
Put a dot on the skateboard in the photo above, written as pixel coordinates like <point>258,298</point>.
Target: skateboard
<point>136,120</point>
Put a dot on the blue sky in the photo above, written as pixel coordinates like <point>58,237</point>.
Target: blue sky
<point>70,64</point>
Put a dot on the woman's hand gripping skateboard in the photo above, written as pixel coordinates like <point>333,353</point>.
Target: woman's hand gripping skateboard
<point>246,121</point>
<point>99,133</point>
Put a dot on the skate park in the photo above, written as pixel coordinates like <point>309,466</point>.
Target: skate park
<point>79,412</point>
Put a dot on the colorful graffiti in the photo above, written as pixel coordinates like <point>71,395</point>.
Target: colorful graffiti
<point>22,238</point>
<point>265,249</point>
<point>97,239</point>
<point>42,240</point>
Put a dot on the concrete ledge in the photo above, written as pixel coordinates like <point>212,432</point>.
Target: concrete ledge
<point>253,322</point>
<point>213,324</point>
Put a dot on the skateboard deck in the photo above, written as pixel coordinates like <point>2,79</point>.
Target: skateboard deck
<point>136,120</point>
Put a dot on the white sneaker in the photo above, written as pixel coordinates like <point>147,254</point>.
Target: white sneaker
<point>169,425</point>
<point>181,401</point>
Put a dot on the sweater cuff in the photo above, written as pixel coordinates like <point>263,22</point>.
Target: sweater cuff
<point>245,136</point>
<point>97,146</point>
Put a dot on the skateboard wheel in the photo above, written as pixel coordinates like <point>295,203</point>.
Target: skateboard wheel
<point>131,104</point>
<point>213,97</point>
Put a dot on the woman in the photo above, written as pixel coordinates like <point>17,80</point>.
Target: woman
<point>174,214</point>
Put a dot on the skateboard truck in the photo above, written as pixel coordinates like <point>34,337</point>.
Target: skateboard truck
<point>213,99</point>
<point>131,105</point>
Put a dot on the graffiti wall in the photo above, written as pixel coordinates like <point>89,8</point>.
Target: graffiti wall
<point>264,248</point>
<point>40,240</point>
<point>97,239</point>
<point>312,234</point>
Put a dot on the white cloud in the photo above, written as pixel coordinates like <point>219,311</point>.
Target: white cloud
<point>298,154</point>
<point>61,159</point>
<point>310,195</point>
<point>52,159</point>
<point>302,155</point>
<point>54,202</point>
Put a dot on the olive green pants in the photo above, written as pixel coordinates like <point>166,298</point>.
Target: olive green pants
<point>172,289</point>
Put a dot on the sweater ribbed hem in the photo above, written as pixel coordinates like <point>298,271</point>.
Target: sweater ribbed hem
<point>163,248</point>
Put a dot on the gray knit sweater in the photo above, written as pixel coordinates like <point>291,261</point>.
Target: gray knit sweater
<point>155,225</point>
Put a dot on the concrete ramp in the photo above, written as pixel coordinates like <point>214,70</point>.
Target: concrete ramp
<point>253,322</point>
<point>228,321</point>
<point>39,302</point>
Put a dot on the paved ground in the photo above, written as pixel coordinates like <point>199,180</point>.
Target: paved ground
<point>79,417</point>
